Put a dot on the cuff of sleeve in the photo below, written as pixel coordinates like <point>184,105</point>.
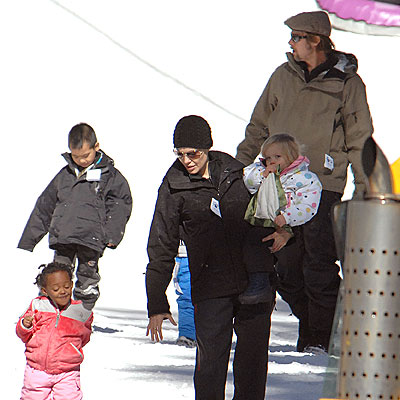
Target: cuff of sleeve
<point>287,218</point>
<point>24,327</point>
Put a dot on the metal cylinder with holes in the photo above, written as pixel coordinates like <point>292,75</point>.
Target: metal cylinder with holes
<point>370,341</point>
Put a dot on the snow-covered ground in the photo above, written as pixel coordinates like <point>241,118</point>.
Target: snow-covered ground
<point>131,69</point>
<point>121,362</point>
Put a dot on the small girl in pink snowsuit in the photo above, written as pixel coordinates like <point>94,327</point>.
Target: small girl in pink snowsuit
<point>54,329</point>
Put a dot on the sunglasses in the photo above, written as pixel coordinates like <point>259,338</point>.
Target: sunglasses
<point>297,38</point>
<point>191,155</point>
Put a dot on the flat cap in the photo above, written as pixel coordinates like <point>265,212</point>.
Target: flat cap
<point>316,22</point>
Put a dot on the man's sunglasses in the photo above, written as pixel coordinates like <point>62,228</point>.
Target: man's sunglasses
<point>297,38</point>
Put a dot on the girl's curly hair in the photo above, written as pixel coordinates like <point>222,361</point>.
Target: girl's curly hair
<point>50,268</point>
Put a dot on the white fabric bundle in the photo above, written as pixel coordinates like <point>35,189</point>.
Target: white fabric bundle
<point>267,199</point>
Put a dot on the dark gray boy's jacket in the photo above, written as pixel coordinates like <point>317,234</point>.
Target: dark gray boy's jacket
<point>77,211</point>
<point>214,244</point>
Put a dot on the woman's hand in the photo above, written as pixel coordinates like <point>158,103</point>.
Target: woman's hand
<point>280,238</point>
<point>155,326</point>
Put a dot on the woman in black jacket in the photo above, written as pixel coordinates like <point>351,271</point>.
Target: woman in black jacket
<point>204,195</point>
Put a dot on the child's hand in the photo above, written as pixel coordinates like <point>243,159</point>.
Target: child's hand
<point>28,321</point>
<point>111,245</point>
<point>268,170</point>
<point>265,173</point>
<point>280,220</point>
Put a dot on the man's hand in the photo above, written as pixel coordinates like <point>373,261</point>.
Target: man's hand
<point>280,238</point>
<point>155,326</point>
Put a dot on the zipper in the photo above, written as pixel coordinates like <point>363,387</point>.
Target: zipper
<point>58,317</point>
<point>48,342</point>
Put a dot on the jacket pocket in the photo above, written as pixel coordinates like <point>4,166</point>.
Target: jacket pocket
<point>75,354</point>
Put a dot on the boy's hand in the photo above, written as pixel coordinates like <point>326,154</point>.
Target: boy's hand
<point>111,245</point>
<point>28,321</point>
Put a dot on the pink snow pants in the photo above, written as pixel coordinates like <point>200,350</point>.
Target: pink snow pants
<point>39,385</point>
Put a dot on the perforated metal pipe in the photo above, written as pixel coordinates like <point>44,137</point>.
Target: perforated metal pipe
<point>370,344</point>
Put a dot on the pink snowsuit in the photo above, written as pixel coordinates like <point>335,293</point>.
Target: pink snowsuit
<point>54,349</point>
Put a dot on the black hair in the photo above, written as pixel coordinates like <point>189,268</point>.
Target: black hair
<point>81,133</point>
<point>50,268</point>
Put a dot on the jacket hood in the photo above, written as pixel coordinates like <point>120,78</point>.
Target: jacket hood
<point>346,62</point>
<point>300,164</point>
<point>343,63</point>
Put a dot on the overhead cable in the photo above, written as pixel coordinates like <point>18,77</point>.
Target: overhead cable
<point>147,63</point>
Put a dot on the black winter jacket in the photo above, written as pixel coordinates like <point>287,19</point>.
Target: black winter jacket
<point>214,244</point>
<point>77,211</point>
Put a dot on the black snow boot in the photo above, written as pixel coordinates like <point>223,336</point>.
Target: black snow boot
<point>305,337</point>
<point>258,290</point>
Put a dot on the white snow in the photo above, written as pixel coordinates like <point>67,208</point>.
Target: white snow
<point>131,69</point>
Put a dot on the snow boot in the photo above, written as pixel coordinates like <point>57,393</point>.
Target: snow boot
<point>185,341</point>
<point>258,289</point>
<point>317,350</point>
<point>305,337</point>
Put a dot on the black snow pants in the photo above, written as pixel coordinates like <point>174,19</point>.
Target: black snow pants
<point>87,272</point>
<point>215,321</point>
<point>308,273</point>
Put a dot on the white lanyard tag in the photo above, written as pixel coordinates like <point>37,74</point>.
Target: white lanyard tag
<point>329,163</point>
<point>93,175</point>
<point>214,207</point>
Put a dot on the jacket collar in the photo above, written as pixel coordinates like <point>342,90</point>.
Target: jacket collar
<point>337,66</point>
<point>102,161</point>
<point>300,163</point>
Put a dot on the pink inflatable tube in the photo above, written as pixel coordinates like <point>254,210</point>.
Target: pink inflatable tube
<point>364,16</point>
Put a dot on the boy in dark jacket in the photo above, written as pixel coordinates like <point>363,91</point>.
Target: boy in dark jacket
<point>84,209</point>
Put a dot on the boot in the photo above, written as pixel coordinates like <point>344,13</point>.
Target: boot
<point>258,289</point>
<point>305,338</point>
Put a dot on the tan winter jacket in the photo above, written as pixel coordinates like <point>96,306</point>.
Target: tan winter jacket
<point>328,115</point>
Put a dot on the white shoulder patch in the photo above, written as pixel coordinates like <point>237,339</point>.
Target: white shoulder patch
<point>77,312</point>
<point>41,304</point>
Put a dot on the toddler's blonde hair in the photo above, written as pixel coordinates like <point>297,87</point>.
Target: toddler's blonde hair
<point>290,146</point>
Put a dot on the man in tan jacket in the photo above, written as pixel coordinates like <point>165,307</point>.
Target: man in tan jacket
<point>317,97</point>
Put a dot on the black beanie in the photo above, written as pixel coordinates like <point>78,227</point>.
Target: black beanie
<point>192,131</point>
